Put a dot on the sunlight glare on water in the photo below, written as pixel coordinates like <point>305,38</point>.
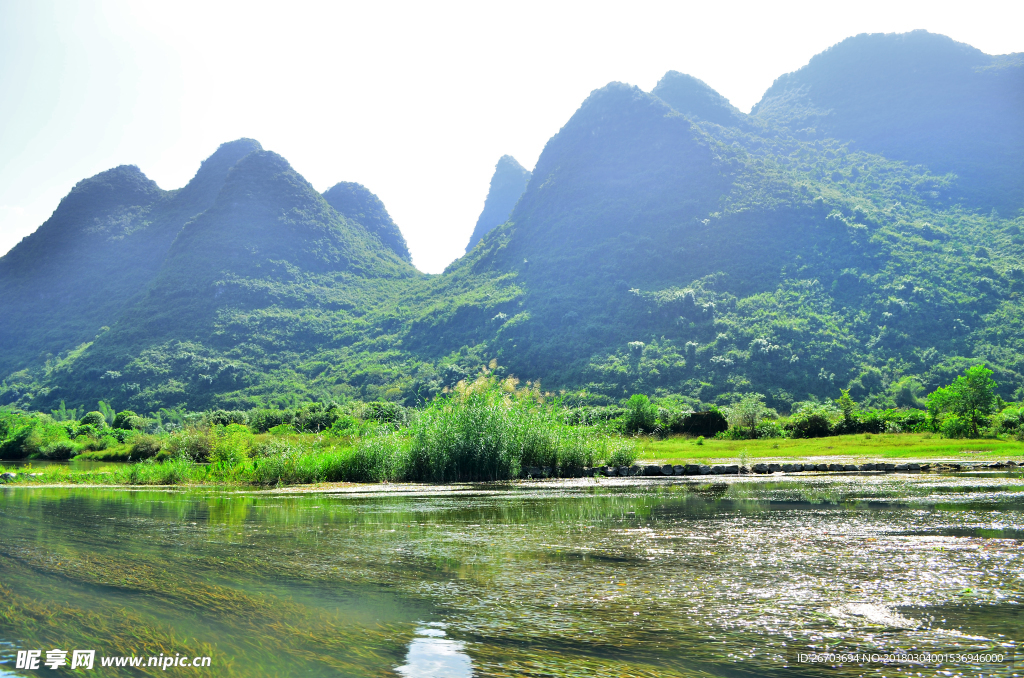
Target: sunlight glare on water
<point>431,655</point>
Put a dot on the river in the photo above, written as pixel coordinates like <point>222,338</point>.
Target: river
<point>616,577</point>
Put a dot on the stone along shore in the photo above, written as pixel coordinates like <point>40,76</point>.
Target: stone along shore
<point>763,469</point>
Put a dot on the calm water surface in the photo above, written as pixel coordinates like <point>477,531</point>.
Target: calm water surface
<point>612,578</point>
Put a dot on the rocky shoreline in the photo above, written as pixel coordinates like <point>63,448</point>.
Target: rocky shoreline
<point>766,469</point>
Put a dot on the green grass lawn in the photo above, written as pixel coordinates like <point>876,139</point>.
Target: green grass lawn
<point>861,446</point>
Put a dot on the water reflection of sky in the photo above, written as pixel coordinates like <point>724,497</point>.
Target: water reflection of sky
<point>431,655</point>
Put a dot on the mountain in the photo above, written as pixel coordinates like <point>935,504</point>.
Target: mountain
<point>354,201</point>
<point>507,184</point>
<point>105,242</point>
<point>269,270</point>
<point>665,244</point>
<point>696,100</point>
<point>917,97</point>
<point>654,252</point>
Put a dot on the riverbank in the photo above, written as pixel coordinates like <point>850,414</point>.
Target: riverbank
<point>196,476</point>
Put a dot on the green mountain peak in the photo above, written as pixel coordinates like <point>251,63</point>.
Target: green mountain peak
<point>507,184</point>
<point>356,202</point>
<point>694,98</point>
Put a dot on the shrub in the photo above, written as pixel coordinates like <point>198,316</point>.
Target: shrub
<point>489,430</point>
<point>957,427</point>
<point>344,425</point>
<point>641,415</point>
<point>748,411</point>
<point>283,430</point>
<point>1011,419</point>
<point>273,447</point>
<point>384,412</point>
<point>193,444</point>
<point>232,444</point>
<point>261,421</point>
<point>811,425</point>
<point>145,446</point>
<point>60,450</point>
<point>380,458</point>
<point>480,432</point>
<point>621,452</point>
<point>94,419</point>
<point>706,423</point>
<point>226,417</point>
<point>970,397</point>
<point>89,443</point>
<point>770,429</point>
<point>126,420</point>
<point>316,417</point>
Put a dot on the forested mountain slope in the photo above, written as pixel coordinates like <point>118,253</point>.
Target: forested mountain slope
<point>918,97</point>
<point>665,243</point>
<point>104,243</point>
<point>270,269</point>
<point>671,257</point>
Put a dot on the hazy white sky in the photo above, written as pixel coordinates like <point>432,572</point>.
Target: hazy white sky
<point>415,100</point>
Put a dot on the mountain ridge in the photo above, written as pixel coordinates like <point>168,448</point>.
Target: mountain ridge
<point>665,243</point>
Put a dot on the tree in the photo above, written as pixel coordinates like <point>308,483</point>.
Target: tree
<point>748,411</point>
<point>108,413</point>
<point>970,397</point>
<point>126,420</point>
<point>846,404</point>
<point>93,419</point>
<point>64,414</point>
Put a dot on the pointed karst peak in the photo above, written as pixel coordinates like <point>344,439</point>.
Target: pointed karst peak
<point>695,99</point>
<point>507,184</point>
<point>201,191</point>
<point>356,202</point>
<point>227,155</point>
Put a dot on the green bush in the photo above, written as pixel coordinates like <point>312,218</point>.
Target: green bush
<point>145,447</point>
<point>770,429</point>
<point>490,430</point>
<point>316,417</point>
<point>232,444</point>
<point>344,425</point>
<point>192,444</point>
<point>811,425</point>
<point>380,458</point>
<point>226,417</point>
<point>641,415</point>
<point>708,423</point>
<point>261,421</point>
<point>60,450</point>
<point>621,453</point>
<point>957,427</point>
<point>126,420</point>
<point>384,412</point>
<point>94,419</point>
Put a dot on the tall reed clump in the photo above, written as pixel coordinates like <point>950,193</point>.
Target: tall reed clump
<point>490,430</point>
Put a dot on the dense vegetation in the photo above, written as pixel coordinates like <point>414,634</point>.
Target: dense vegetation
<point>666,244</point>
<point>487,429</point>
